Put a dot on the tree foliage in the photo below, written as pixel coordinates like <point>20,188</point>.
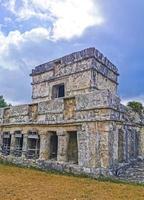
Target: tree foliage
<point>136,106</point>
<point>2,102</point>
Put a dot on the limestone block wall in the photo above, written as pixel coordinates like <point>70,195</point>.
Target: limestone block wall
<point>74,58</point>
<point>97,99</point>
<point>51,111</point>
<point>105,83</point>
<point>85,107</point>
<point>43,77</point>
<point>19,114</point>
<point>128,143</point>
<point>75,83</point>
<point>103,77</point>
<point>80,72</point>
<point>98,140</point>
<point>75,77</point>
<point>86,153</point>
<point>14,114</point>
<point>104,70</point>
<point>89,124</point>
<point>93,144</point>
<point>92,106</point>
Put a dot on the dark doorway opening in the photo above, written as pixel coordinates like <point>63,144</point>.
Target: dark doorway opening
<point>6,143</point>
<point>120,146</point>
<point>53,146</point>
<point>73,148</point>
<point>133,152</point>
<point>33,146</point>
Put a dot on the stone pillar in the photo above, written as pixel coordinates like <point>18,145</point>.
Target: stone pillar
<point>1,142</point>
<point>125,143</point>
<point>113,145</point>
<point>128,145</point>
<point>12,144</point>
<point>82,148</point>
<point>141,144</point>
<point>44,146</point>
<point>104,149</point>
<point>63,139</point>
<point>24,148</point>
<point>126,156</point>
<point>88,145</point>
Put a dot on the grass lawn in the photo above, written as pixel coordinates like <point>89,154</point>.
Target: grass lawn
<point>28,184</point>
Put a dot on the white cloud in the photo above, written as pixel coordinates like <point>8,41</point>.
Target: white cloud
<point>14,102</point>
<point>61,19</point>
<point>9,4</point>
<point>12,44</point>
<point>7,19</point>
<point>139,98</point>
<point>68,18</point>
<point>47,21</point>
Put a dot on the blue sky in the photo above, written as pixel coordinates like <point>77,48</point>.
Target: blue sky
<point>35,31</point>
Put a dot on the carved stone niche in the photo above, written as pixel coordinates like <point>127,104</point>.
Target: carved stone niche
<point>69,108</point>
<point>33,112</point>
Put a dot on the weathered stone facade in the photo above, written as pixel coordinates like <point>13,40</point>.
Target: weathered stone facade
<point>75,122</point>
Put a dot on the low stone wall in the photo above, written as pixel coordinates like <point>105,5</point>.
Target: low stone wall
<point>92,106</point>
<point>57,166</point>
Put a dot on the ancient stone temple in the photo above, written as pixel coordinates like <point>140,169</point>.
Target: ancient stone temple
<point>75,122</point>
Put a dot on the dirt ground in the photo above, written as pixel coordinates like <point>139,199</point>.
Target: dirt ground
<point>27,184</point>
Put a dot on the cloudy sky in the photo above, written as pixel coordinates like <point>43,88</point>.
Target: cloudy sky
<point>35,31</point>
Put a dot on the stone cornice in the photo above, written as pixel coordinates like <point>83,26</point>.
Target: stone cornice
<point>75,57</point>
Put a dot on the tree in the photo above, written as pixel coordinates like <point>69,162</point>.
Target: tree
<point>2,102</point>
<point>136,106</point>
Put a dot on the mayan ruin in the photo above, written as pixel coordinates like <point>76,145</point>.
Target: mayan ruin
<point>75,122</point>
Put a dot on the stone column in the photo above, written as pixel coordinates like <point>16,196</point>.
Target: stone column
<point>24,148</point>
<point>113,145</point>
<point>1,142</point>
<point>82,148</point>
<point>125,143</point>
<point>129,150</point>
<point>141,144</point>
<point>12,144</point>
<point>104,149</point>
<point>44,146</point>
<point>88,148</point>
<point>63,139</point>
